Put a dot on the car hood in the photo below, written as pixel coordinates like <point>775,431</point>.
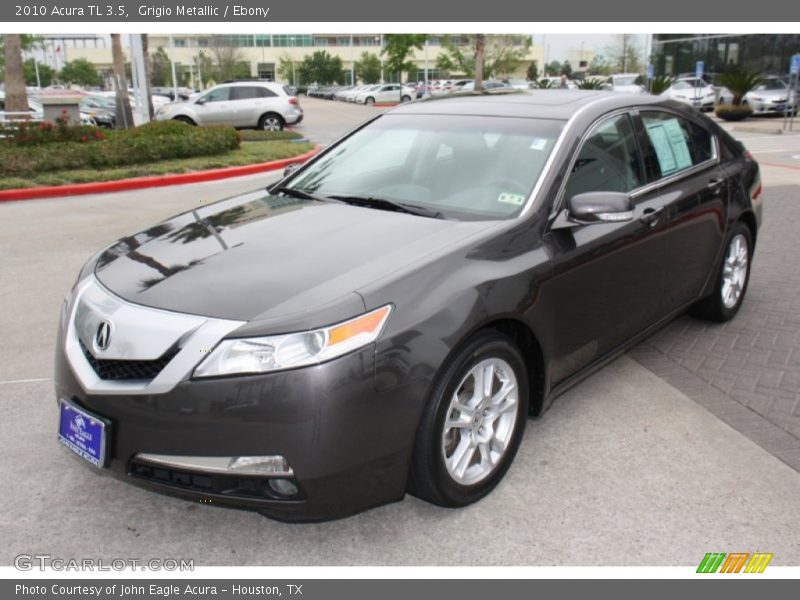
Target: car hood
<point>258,257</point>
<point>768,94</point>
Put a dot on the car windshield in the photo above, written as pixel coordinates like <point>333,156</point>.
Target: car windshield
<point>687,84</point>
<point>459,166</point>
<point>771,84</point>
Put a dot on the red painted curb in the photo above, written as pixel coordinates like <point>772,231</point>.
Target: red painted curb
<point>137,183</point>
<point>384,104</point>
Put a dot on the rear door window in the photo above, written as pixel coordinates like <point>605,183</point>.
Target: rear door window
<point>676,143</point>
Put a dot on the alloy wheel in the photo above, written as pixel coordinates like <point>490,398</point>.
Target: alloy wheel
<point>734,271</point>
<point>480,421</point>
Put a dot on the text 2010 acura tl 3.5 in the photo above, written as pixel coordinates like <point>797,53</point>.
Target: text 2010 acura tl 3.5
<point>385,317</point>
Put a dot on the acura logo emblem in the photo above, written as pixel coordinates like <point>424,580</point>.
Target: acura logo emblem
<point>103,336</point>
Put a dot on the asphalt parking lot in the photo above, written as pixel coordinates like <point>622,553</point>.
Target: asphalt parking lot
<point>687,445</point>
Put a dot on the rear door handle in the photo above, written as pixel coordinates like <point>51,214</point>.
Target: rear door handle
<point>716,184</point>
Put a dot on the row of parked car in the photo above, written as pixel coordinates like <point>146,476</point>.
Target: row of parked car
<point>772,96</point>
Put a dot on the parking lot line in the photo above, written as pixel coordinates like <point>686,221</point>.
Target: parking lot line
<point>36,380</point>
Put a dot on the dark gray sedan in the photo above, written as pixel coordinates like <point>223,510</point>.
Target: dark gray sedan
<point>384,319</point>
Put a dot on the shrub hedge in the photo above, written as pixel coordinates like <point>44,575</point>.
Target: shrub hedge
<point>155,141</point>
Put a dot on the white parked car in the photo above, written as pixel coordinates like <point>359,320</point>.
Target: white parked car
<point>244,104</point>
<point>487,85</point>
<point>350,95</point>
<point>692,91</point>
<point>625,83</point>
<point>386,92</point>
<point>771,96</point>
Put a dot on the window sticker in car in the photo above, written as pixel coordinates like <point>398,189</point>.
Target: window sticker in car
<point>538,144</point>
<point>509,198</point>
<point>670,145</point>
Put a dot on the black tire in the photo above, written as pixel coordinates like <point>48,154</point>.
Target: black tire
<point>271,122</point>
<point>186,120</point>
<point>405,99</point>
<point>369,101</point>
<point>429,478</point>
<point>714,308</point>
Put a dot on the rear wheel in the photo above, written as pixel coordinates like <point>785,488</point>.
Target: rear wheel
<point>732,278</point>
<point>369,101</point>
<point>405,99</point>
<point>271,122</point>
<point>473,423</point>
<point>186,120</point>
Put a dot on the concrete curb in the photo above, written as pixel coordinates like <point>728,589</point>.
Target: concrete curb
<point>136,183</point>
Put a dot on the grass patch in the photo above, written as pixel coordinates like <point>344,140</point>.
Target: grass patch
<point>246,154</point>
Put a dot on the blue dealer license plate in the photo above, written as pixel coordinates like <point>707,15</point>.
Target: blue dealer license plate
<point>83,433</point>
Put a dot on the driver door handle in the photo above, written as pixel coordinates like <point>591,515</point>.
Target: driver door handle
<point>652,216</point>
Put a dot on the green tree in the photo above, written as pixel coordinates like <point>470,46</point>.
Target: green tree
<point>160,68</point>
<point>502,54</point>
<point>46,73</point>
<point>624,54</point>
<point>566,69</point>
<point>80,72</point>
<point>321,68</point>
<point>398,49</point>
<point>598,66</point>
<point>368,68</point>
<point>553,68</point>
<point>287,69</point>
<point>230,63</point>
<point>739,83</point>
<point>533,71</point>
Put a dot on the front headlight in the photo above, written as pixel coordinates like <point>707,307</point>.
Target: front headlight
<point>292,350</point>
<point>756,98</point>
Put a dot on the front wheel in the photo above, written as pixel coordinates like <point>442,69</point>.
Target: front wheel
<point>405,99</point>
<point>732,278</point>
<point>473,423</point>
<point>369,101</point>
<point>271,122</point>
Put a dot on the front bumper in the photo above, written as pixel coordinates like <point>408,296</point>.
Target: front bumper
<point>348,445</point>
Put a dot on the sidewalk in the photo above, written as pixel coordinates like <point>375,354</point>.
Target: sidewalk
<point>767,124</point>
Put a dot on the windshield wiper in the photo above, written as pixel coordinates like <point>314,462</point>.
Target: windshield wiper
<point>300,193</point>
<point>386,204</point>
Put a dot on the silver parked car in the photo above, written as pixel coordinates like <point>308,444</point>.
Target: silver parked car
<point>772,95</point>
<point>242,104</point>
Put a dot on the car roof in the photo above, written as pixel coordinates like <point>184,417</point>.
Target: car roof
<point>540,104</point>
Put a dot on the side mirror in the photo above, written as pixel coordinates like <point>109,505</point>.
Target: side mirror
<point>289,169</point>
<point>200,101</point>
<point>600,207</point>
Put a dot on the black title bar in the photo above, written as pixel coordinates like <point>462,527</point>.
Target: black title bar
<point>281,11</point>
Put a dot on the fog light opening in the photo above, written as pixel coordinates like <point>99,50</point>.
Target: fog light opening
<point>283,487</point>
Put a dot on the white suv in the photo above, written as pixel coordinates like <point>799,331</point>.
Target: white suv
<point>242,104</point>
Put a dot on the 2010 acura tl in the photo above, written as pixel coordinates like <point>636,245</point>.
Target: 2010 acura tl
<point>385,317</point>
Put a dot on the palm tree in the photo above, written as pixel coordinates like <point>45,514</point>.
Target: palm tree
<point>660,84</point>
<point>16,95</point>
<point>588,84</point>
<point>739,83</point>
<point>124,115</point>
<point>480,47</point>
